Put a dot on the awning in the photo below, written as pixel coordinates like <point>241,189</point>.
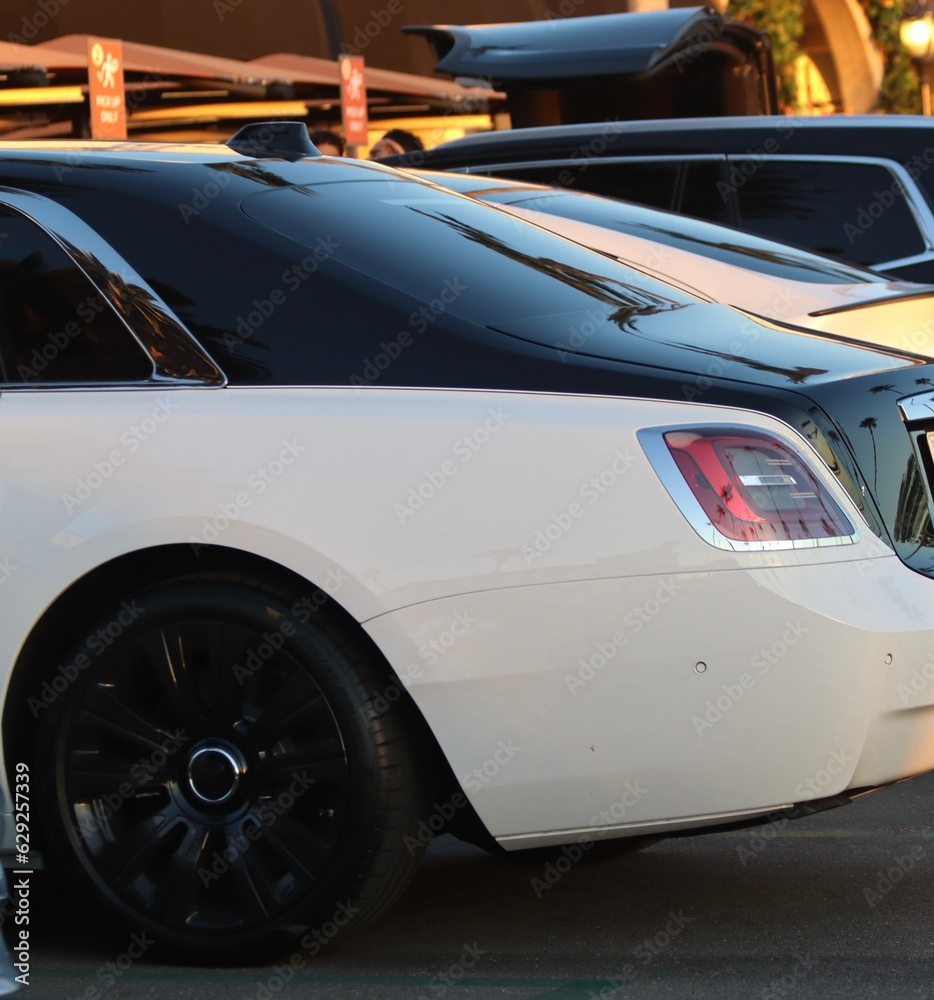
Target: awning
<point>15,57</point>
<point>579,47</point>
<point>381,80</point>
<point>154,61</point>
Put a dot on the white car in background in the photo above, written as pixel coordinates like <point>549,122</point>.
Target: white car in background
<point>763,278</point>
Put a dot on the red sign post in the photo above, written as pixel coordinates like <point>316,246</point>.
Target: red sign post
<point>106,93</point>
<point>353,100</point>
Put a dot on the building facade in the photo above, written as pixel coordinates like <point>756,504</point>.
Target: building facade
<point>841,70</point>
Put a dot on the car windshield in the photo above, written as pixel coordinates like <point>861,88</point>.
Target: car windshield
<point>730,246</point>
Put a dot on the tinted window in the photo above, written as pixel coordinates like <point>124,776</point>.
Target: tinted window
<point>702,195</point>
<point>646,183</point>
<point>731,246</point>
<point>54,324</point>
<point>854,211</point>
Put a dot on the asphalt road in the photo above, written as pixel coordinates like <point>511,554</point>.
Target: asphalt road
<point>836,905</point>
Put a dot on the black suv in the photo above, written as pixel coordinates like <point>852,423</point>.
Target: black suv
<point>859,188</point>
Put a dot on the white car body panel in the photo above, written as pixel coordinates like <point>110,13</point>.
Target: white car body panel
<point>895,313</point>
<point>479,617</point>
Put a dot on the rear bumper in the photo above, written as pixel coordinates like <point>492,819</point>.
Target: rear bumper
<point>655,704</point>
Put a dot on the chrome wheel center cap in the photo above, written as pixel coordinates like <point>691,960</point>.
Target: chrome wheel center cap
<point>214,772</point>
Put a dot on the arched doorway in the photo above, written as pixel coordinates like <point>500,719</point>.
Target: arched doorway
<point>841,57</point>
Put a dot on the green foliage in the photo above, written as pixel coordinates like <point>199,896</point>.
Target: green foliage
<point>784,22</point>
<point>900,93</point>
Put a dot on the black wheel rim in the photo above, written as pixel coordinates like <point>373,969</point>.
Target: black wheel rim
<point>204,778</point>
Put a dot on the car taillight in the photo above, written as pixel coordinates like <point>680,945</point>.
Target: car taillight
<point>754,488</point>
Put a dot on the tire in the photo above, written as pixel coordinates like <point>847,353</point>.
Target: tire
<point>215,779</point>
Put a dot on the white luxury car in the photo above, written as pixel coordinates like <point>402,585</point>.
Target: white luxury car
<point>340,509</point>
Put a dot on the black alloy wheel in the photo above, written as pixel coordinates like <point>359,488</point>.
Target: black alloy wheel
<point>217,779</point>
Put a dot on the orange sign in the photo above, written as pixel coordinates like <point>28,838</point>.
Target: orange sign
<point>106,93</point>
<point>353,100</point>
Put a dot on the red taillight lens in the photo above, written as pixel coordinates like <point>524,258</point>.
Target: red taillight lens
<point>754,488</point>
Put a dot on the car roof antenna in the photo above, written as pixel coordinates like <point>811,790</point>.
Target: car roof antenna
<point>274,140</point>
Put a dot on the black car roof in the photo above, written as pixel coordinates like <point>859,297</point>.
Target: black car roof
<point>851,134</point>
<point>217,234</point>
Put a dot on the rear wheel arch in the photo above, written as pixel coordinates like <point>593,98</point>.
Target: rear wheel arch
<point>73,611</point>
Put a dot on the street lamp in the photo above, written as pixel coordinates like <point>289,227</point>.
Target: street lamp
<point>917,35</point>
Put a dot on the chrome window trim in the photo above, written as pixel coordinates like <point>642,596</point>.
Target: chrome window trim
<point>82,243</point>
<point>653,444</point>
<point>919,258</point>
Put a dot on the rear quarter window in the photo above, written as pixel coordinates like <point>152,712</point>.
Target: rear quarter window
<point>853,211</point>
